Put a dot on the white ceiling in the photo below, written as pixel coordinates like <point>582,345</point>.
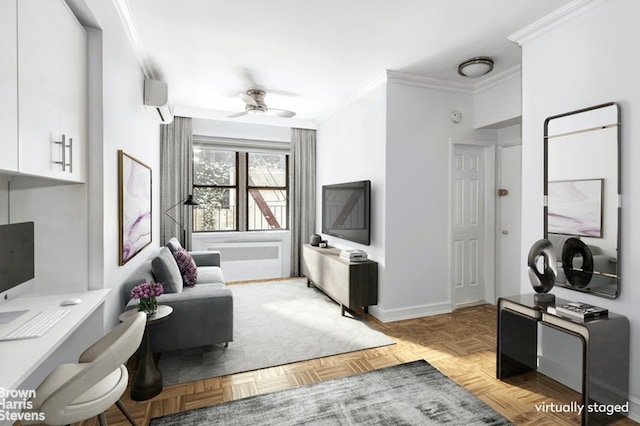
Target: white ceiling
<point>313,56</point>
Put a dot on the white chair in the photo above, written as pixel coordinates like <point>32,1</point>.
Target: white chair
<point>76,392</point>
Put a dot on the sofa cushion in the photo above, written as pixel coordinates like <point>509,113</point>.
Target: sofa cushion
<point>166,271</point>
<point>209,274</point>
<point>173,245</point>
<point>187,266</point>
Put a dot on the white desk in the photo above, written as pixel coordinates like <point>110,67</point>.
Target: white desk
<point>20,358</point>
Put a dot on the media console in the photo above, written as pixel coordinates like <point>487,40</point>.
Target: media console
<point>354,285</point>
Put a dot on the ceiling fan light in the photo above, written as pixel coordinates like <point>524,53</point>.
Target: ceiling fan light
<point>476,67</point>
<point>255,111</point>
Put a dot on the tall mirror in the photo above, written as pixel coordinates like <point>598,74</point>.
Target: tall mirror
<point>582,193</point>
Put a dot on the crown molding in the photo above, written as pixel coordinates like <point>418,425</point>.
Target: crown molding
<point>428,82</point>
<point>554,19</point>
<point>498,79</point>
<point>454,86</point>
<point>131,31</point>
<point>382,79</point>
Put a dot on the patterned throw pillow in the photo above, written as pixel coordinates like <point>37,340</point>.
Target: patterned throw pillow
<point>187,266</point>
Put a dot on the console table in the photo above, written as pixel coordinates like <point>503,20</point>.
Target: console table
<point>353,285</point>
<point>605,348</point>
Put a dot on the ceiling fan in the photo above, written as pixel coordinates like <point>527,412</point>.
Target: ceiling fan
<point>254,100</point>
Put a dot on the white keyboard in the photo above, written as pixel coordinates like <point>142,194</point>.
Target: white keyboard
<point>37,325</point>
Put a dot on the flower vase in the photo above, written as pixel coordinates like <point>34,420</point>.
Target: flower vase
<point>148,305</point>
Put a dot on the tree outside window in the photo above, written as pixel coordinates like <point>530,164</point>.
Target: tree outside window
<point>215,188</point>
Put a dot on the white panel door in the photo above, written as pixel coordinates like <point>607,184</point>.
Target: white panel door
<point>468,209</point>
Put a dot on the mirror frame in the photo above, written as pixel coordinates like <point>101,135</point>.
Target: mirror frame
<point>618,124</point>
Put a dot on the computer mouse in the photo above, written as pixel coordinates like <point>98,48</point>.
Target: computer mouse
<point>72,301</point>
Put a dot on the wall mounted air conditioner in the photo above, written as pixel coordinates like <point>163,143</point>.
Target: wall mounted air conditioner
<point>156,95</point>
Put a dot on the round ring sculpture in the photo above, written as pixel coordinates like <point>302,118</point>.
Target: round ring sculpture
<point>579,277</point>
<point>543,281</point>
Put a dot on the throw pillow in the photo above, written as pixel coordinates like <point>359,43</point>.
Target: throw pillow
<point>166,271</point>
<point>173,244</point>
<point>187,266</point>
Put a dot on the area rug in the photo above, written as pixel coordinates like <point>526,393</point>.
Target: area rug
<point>415,393</point>
<point>275,323</point>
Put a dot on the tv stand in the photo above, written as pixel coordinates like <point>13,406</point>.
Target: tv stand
<point>353,285</point>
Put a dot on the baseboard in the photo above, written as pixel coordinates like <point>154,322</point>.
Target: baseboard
<point>399,314</point>
<point>470,304</point>
<point>634,409</point>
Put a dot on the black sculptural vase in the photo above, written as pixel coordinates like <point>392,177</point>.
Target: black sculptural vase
<point>543,256</point>
<point>574,250</point>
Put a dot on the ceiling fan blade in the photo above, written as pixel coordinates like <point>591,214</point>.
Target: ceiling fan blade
<point>237,114</point>
<point>248,99</point>
<point>274,112</point>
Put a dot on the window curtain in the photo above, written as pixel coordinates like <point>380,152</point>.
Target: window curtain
<point>303,193</point>
<point>176,179</point>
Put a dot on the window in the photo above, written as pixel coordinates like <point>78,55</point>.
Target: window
<point>240,191</point>
<point>215,188</point>
<point>267,200</point>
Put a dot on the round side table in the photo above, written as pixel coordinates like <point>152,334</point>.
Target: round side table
<point>147,381</point>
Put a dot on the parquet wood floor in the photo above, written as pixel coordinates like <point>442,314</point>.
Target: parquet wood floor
<point>460,344</point>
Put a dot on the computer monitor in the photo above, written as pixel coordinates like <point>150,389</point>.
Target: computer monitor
<point>17,256</point>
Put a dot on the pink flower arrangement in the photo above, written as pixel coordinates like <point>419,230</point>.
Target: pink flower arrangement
<point>146,293</point>
<point>147,290</point>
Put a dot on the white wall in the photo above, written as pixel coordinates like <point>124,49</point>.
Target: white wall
<point>350,147</point>
<point>418,152</point>
<point>120,121</point>
<point>59,212</point>
<point>583,62</point>
<point>228,129</point>
<point>398,136</point>
<point>507,87</point>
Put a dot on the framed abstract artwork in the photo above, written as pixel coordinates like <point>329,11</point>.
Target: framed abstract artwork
<point>134,192</point>
<point>575,207</point>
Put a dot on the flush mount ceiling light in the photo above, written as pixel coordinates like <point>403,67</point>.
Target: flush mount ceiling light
<point>476,67</point>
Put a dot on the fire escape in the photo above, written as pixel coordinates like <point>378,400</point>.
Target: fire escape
<point>261,203</point>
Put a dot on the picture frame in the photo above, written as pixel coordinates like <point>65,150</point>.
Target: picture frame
<point>574,207</point>
<point>135,209</point>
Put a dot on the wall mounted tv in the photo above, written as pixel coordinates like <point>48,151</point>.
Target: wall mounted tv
<point>16,254</point>
<point>346,211</point>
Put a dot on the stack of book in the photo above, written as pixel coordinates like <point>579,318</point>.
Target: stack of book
<point>353,255</point>
<point>581,311</point>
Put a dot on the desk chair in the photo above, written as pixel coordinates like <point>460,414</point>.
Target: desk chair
<point>75,392</point>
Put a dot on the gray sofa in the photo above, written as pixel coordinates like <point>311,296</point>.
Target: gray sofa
<point>202,314</point>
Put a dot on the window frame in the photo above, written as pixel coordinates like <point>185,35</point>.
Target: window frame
<point>242,186</point>
<point>236,187</point>
<point>285,188</point>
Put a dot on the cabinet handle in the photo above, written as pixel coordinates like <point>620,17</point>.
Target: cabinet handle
<point>70,155</point>
<point>64,148</point>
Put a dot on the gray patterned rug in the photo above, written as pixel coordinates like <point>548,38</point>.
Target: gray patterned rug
<point>275,323</point>
<point>407,394</point>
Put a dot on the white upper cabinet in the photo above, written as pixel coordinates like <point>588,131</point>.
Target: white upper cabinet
<point>8,87</point>
<point>52,91</point>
